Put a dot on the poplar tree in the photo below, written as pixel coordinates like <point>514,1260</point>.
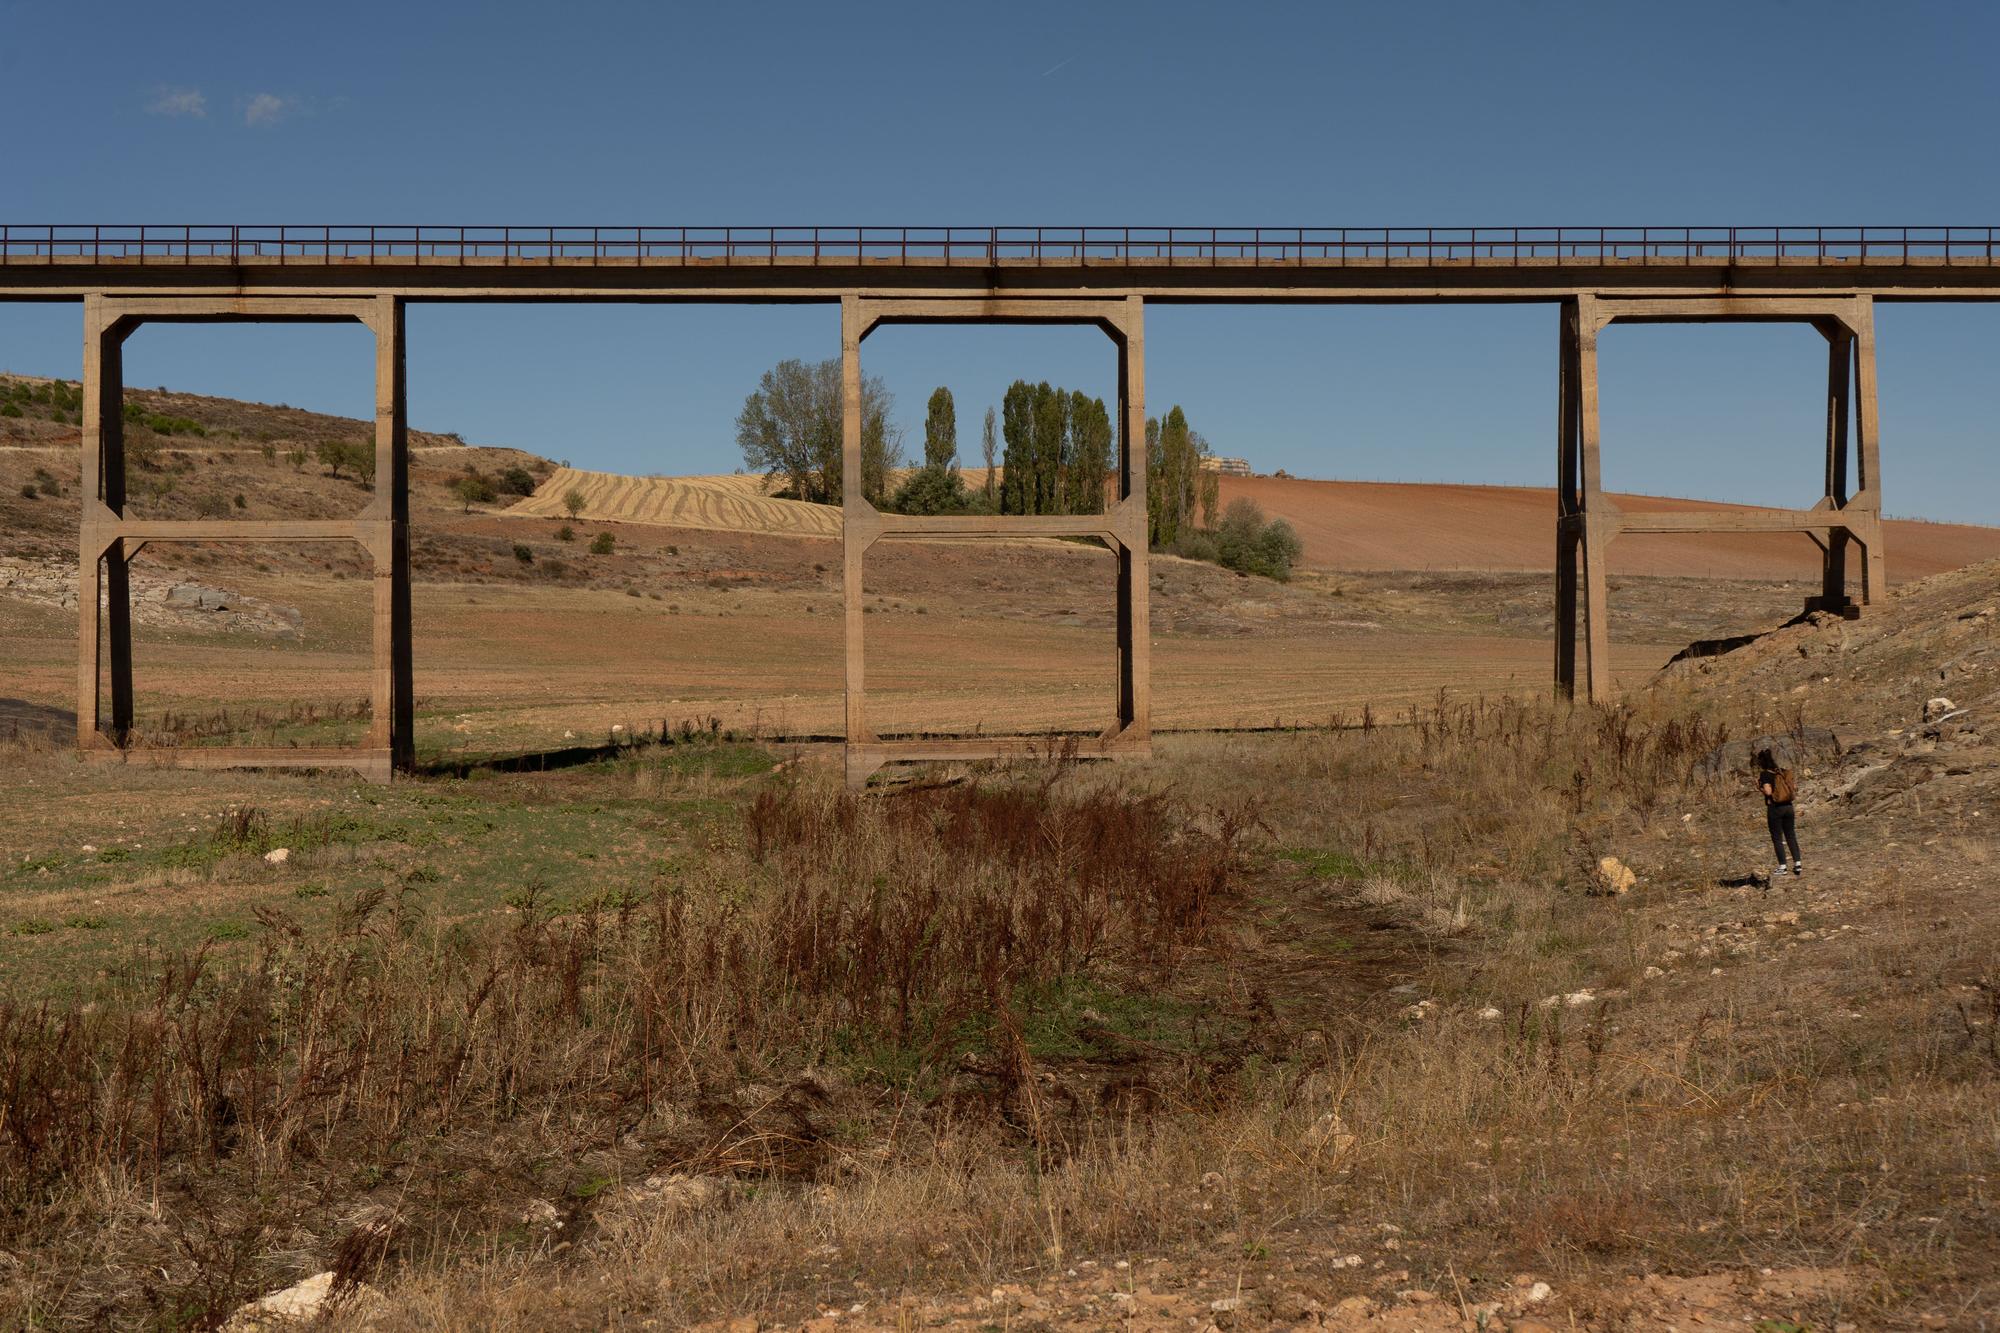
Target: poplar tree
<point>1089,452</point>
<point>936,487</point>
<point>1174,485</point>
<point>986,445</point>
<point>941,432</point>
<point>1051,412</point>
<point>1017,426</point>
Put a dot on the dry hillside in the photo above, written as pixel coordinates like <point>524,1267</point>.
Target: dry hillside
<point>714,504</point>
<point>208,450</point>
<point>1358,525</point>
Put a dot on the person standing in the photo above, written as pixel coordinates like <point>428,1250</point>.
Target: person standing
<point>1780,790</point>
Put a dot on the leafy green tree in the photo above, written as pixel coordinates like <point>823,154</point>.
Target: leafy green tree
<point>986,447</point>
<point>573,501</point>
<point>473,489</point>
<point>1089,452</point>
<point>1247,541</point>
<point>790,428</point>
<point>932,490</point>
<point>1173,477</point>
<point>941,431</point>
<point>1051,423</point>
<point>357,456</point>
<point>937,487</point>
<point>1017,426</point>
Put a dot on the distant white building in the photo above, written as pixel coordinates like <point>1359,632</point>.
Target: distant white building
<point>1228,467</point>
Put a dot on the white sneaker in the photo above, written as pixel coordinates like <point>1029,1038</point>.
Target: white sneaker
<point>1799,869</point>
<point>1780,872</point>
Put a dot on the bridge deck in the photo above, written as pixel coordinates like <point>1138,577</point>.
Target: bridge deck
<point>1169,263</point>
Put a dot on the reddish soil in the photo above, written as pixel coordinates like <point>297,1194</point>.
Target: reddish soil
<point>1359,525</point>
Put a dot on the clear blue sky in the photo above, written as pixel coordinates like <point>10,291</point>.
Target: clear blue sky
<point>1497,113</point>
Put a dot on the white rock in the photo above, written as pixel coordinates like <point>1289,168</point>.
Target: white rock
<point>1655,973</point>
<point>1539,1293</point>
<point>1937,708</point>
<point>1579,997</point>
<point>676,1192</point>
<point>296,1305</point>
<point>569,735</point>
<point>277,856</point>
<point>1226,1304</point>
<point>1489,1013</point>
<point>88,849</point>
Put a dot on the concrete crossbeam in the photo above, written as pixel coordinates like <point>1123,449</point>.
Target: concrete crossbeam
<point>108,538</point>
<point>118,297</point>
<point>1587,520</point>
<point>1122,527</point>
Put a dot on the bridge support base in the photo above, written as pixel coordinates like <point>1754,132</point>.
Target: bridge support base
<point>108,538</point>
<point>1849,513</point>
<point>1123,527</point>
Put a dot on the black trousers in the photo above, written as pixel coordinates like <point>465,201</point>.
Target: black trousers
<point>1784,830</point>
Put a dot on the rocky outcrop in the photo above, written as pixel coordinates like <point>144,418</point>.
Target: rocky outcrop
<point>157,599</point>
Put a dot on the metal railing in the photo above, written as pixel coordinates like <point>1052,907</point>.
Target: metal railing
<point>976,246</point>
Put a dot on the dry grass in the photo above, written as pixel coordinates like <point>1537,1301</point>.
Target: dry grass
<point>859,1021</point>
<point>263,1110</point>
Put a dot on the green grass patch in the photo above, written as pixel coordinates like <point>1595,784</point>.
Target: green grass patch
<point>1323,863</point>
<point>1077,1018</point>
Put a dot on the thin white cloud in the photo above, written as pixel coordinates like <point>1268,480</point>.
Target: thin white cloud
<point>267,109</point>
<point>179,102</point>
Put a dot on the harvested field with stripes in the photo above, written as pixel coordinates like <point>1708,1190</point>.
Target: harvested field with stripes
<point>713,504</point>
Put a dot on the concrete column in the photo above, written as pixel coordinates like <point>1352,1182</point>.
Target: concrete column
<point>1839,405</point>
<point>1135,692</point>
<point>1597,517</point>
<point>1567,553</point>
<point>857,532</point>
<point>393,723</point>
<point>1569,502</point>
<point>1868,428</point>
<point>104,589</point>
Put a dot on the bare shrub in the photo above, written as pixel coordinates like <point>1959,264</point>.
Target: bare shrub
<point>892,936</point>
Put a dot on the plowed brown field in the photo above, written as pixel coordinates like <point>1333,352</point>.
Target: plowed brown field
<point>1360,525</point>
<point>1351,525</point>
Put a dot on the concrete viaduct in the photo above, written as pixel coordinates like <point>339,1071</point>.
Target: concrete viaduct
<point>123,277</point>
